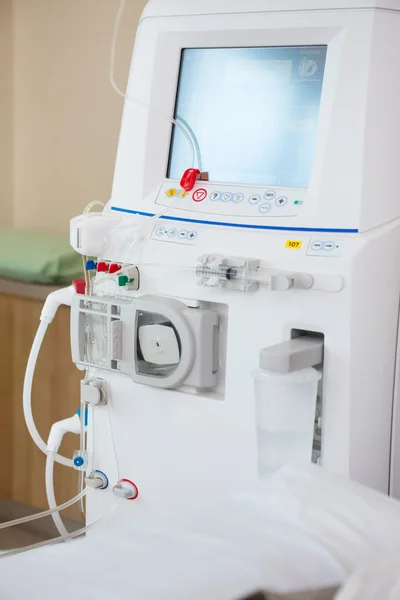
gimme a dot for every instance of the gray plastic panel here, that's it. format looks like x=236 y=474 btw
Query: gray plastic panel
x=293 y=355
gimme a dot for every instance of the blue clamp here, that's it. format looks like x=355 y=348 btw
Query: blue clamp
x=91 y=265
x=78 y=461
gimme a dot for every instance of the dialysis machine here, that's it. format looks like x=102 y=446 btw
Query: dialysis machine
x=246 y=314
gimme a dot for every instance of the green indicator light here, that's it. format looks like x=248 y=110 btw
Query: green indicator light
x=296 y=201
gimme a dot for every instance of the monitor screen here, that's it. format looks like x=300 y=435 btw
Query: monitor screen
x=252 y=111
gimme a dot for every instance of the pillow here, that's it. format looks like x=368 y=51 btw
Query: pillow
x=34 y=257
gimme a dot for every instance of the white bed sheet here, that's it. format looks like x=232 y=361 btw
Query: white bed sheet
x=303 y=528
x=376 y=580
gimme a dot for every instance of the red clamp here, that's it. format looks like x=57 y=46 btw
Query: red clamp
x=114 y=268
x=102 y=267
x=189 y=179
x=80 y=286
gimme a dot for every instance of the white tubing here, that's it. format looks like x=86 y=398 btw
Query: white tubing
x=51 y=498
x=70 y=536
x=44 y=513
x=186 y=132
x=27 y=396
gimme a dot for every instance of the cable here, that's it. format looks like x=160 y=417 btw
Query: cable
x=62 y=538
x=86 y=275
x=113 y=440
x=91 y=205
x=190 y=138
x=44 y=513
x=88 y=284
x=27 y=396
x=135 y=241
x=82 y=447
x=51 y=498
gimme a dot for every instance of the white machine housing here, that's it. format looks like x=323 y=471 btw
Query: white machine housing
x=179 y=444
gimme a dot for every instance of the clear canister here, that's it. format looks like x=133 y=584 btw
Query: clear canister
x=285 y=409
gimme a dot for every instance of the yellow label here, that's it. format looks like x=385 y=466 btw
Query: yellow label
x=171 y=192
x=294 y=244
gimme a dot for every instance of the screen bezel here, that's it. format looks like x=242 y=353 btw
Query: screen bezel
x=178 y=87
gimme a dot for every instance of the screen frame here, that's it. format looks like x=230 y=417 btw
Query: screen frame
x=178 y=88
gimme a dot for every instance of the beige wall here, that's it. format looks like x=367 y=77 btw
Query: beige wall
x=66 y=115
x=6 y=113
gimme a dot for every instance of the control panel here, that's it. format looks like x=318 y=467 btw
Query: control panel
x=318 y=247
x=231 y=200
x=323 y=247
x=176 y=235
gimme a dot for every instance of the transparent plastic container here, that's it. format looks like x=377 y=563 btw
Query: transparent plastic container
x=285 y=409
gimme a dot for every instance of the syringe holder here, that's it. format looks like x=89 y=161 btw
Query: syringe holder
x=299 y=353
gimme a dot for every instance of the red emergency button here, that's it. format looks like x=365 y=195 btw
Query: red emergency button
x=199 y=195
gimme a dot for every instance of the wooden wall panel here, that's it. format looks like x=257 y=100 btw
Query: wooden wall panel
x=6 y=397
x=55 y=396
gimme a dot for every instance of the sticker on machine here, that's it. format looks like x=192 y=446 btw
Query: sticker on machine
x=294 y=244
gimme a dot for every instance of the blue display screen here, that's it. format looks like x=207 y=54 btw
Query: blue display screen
x=253 y=113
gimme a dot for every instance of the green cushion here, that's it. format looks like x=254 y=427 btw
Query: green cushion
x=34 y=257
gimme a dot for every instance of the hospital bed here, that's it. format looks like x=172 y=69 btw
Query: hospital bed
x=302 y=529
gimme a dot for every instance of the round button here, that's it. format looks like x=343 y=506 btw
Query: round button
x=269 y=195
x=264 y=208
x=199 y=195
x=329 y=246
x=192 y=235
x=281 y=201
x=171 y=232
x=160 y=231
x=255 y=199
x=226 y=197
x=215 y=196
x=238 y=198
x=316 y=245
x=182 y=234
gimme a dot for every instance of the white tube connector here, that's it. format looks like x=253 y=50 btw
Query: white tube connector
x=125 y=488
x=97 y=480
x=54 y=301
x=59 y=429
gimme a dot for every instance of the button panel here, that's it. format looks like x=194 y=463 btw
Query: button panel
x=175 y=235
x=231 y=200
x=324 y=247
